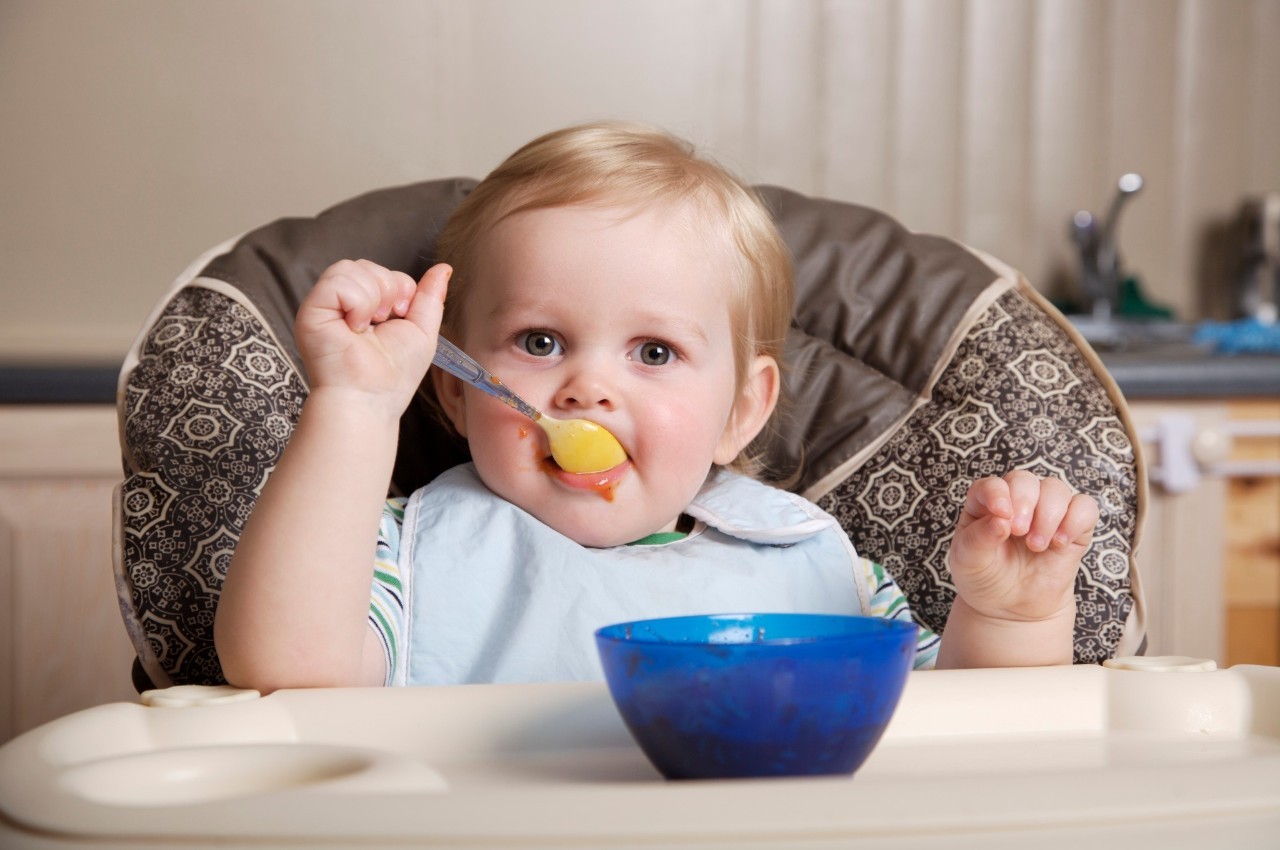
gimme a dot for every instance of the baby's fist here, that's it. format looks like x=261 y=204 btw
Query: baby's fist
x=1018 y=545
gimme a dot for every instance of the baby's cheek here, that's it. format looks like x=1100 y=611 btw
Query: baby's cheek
x=681 y=431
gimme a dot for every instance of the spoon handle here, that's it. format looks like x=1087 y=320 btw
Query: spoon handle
x=454 y=361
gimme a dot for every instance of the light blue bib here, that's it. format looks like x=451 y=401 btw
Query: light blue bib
x=494 y=595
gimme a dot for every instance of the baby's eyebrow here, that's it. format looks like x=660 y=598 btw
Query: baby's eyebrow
x=661 y=323
x=672 y=324
x=516 y=307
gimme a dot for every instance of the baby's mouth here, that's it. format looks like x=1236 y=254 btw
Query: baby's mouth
x=604 y=483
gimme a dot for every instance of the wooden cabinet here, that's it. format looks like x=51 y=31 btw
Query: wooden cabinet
x=1252 y=590
x=1210 y=555
x=63 y=646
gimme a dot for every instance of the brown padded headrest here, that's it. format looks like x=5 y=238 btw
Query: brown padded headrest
x=877 y=306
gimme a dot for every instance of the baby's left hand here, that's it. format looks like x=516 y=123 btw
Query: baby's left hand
x=1018 y=546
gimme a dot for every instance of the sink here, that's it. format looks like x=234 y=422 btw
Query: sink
x=1164 y=359
x=1137 y=335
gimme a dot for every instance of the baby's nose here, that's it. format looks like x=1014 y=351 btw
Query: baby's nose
x=583 y=390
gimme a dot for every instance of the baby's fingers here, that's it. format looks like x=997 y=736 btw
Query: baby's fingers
x=987 y=497
x=395 y=290
x=1061 y=517
x=1078 y=523
x=1025 y=491
x=363 y=292
x=426 y=304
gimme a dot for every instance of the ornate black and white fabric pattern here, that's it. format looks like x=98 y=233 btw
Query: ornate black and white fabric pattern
x=207 y=412
x=1018 y=394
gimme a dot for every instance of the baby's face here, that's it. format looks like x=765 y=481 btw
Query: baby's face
x=613 y=315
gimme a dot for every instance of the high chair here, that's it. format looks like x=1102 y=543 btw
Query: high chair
x=915 y=365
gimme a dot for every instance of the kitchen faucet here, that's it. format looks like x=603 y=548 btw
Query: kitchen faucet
x=1099 y=258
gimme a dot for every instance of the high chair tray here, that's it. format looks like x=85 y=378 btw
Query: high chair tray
x=1045 y=757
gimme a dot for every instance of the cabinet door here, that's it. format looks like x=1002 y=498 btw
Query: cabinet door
x=1210 y=553
x=1180 y=558
x=1253 y=534
x=63 y=646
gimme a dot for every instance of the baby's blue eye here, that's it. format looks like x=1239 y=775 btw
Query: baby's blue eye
x=653 y=353
x=540 y=344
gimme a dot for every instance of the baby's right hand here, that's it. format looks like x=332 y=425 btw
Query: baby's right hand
x=369 y=329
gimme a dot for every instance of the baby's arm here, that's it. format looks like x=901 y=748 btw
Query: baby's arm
x=1014 y=560
x=294 y=607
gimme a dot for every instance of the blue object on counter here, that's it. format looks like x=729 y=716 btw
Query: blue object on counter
x=738 y=695
x=1246 y=336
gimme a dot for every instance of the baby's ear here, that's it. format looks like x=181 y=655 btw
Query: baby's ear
x=449 y=396
x=754 y=406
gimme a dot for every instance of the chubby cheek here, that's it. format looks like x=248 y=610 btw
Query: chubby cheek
x=499 y=435
x=679 y=433
x=528 y=445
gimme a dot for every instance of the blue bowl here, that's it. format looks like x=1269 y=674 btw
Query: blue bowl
x=734 y=695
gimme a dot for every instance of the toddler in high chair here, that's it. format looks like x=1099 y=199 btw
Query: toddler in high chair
x=607 y=273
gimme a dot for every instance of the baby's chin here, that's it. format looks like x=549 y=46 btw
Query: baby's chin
x=598 y=536
x=597 y=524
x=591 y=516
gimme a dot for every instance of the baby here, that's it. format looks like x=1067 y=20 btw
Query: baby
x=606 y=273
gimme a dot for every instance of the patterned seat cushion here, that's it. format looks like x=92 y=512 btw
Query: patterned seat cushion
x=208 y=410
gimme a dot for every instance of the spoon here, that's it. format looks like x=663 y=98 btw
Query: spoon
x=576 y=444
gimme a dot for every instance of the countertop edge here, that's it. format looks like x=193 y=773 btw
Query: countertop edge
x=59 y=384
x=1240 y=376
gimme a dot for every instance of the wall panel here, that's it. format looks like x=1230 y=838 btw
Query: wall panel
x=991 y=121
x=782 y=98
x=1141 y=133
x=1069 y=118
x=1212 y=147
x=927 y=115
x=997 y=146
x=1264 y=101
x=856 y=90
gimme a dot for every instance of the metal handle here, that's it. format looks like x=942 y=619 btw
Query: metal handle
x=456 y=362
x=1187 y=454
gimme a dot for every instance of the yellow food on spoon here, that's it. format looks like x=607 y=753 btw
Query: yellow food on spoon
x=581 y=446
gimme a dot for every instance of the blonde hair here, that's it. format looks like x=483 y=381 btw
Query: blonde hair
x=624 y=163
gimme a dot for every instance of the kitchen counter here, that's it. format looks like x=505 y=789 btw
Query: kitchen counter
x=1185 y=371
x=30 y=383
x=1170 y=371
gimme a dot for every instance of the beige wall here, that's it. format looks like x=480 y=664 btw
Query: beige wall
x=137 y=133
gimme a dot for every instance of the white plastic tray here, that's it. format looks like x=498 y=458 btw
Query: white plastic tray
x=1045 y=757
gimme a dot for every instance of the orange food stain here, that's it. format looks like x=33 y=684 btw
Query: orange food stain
x=604 y=487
